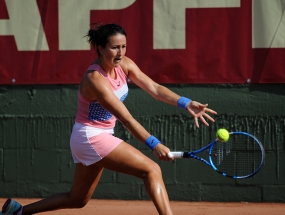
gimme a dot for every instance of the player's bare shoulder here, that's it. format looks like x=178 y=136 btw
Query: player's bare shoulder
x=90 y=77
x=128 y=65
x=90 y=84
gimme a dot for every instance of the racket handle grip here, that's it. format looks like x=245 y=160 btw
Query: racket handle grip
x=175 y=154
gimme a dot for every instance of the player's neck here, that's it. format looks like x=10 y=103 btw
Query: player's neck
x=108 y=69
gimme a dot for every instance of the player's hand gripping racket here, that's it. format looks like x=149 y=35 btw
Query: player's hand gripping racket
x=241 y=156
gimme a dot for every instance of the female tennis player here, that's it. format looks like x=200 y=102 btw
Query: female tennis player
x=101 y=93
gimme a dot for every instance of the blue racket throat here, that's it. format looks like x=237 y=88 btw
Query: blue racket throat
x=192 y=155
x=242 y=156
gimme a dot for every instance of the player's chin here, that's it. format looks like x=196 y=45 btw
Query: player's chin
x=116 y=64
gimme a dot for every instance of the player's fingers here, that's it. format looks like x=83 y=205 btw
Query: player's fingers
x=196 y=122
x=209 y=117
x=170 y=156
x=163 y=156
x=203 y=120
x=160 y=157
x=210 y=111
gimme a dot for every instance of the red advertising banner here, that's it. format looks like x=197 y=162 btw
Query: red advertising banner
x=183 y=41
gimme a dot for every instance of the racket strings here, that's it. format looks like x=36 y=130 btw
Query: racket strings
x=228 y=147
x=240 y=156
x=219 y=152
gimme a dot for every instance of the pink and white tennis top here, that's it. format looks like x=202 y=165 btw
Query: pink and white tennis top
x=91 y=113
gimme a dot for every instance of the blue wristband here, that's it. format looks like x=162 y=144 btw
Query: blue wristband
x=183 y=102
x=151 y=142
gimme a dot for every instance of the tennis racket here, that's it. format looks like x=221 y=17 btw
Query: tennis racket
x=242 y=156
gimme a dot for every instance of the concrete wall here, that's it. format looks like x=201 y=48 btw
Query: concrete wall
x=36 y=121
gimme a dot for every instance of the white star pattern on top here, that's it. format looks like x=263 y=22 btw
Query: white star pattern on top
x=97 y=112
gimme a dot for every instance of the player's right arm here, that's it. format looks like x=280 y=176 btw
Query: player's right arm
x=96 y=87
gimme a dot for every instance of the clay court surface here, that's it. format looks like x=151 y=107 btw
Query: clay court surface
x=118 y=207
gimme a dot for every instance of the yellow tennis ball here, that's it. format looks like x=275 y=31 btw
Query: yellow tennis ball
x=222 y=135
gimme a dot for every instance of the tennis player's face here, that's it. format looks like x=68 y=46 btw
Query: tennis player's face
x=115 y=50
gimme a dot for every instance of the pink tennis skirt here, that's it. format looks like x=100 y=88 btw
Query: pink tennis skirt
x=89 y=144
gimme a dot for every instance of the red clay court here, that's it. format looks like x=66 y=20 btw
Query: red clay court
x=119 y=207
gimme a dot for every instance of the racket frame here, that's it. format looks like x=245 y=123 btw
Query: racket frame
x=180 y=154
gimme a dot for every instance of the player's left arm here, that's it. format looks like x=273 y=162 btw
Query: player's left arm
x=156 y=90
x=159 y=92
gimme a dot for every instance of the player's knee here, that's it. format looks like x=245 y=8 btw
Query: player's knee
x=155 y=170
x=77 y=202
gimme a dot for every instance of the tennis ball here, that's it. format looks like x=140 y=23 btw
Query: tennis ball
x=222 y=135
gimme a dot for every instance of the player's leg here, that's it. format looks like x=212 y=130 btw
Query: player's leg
x=126 y=159
x=85 y=181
